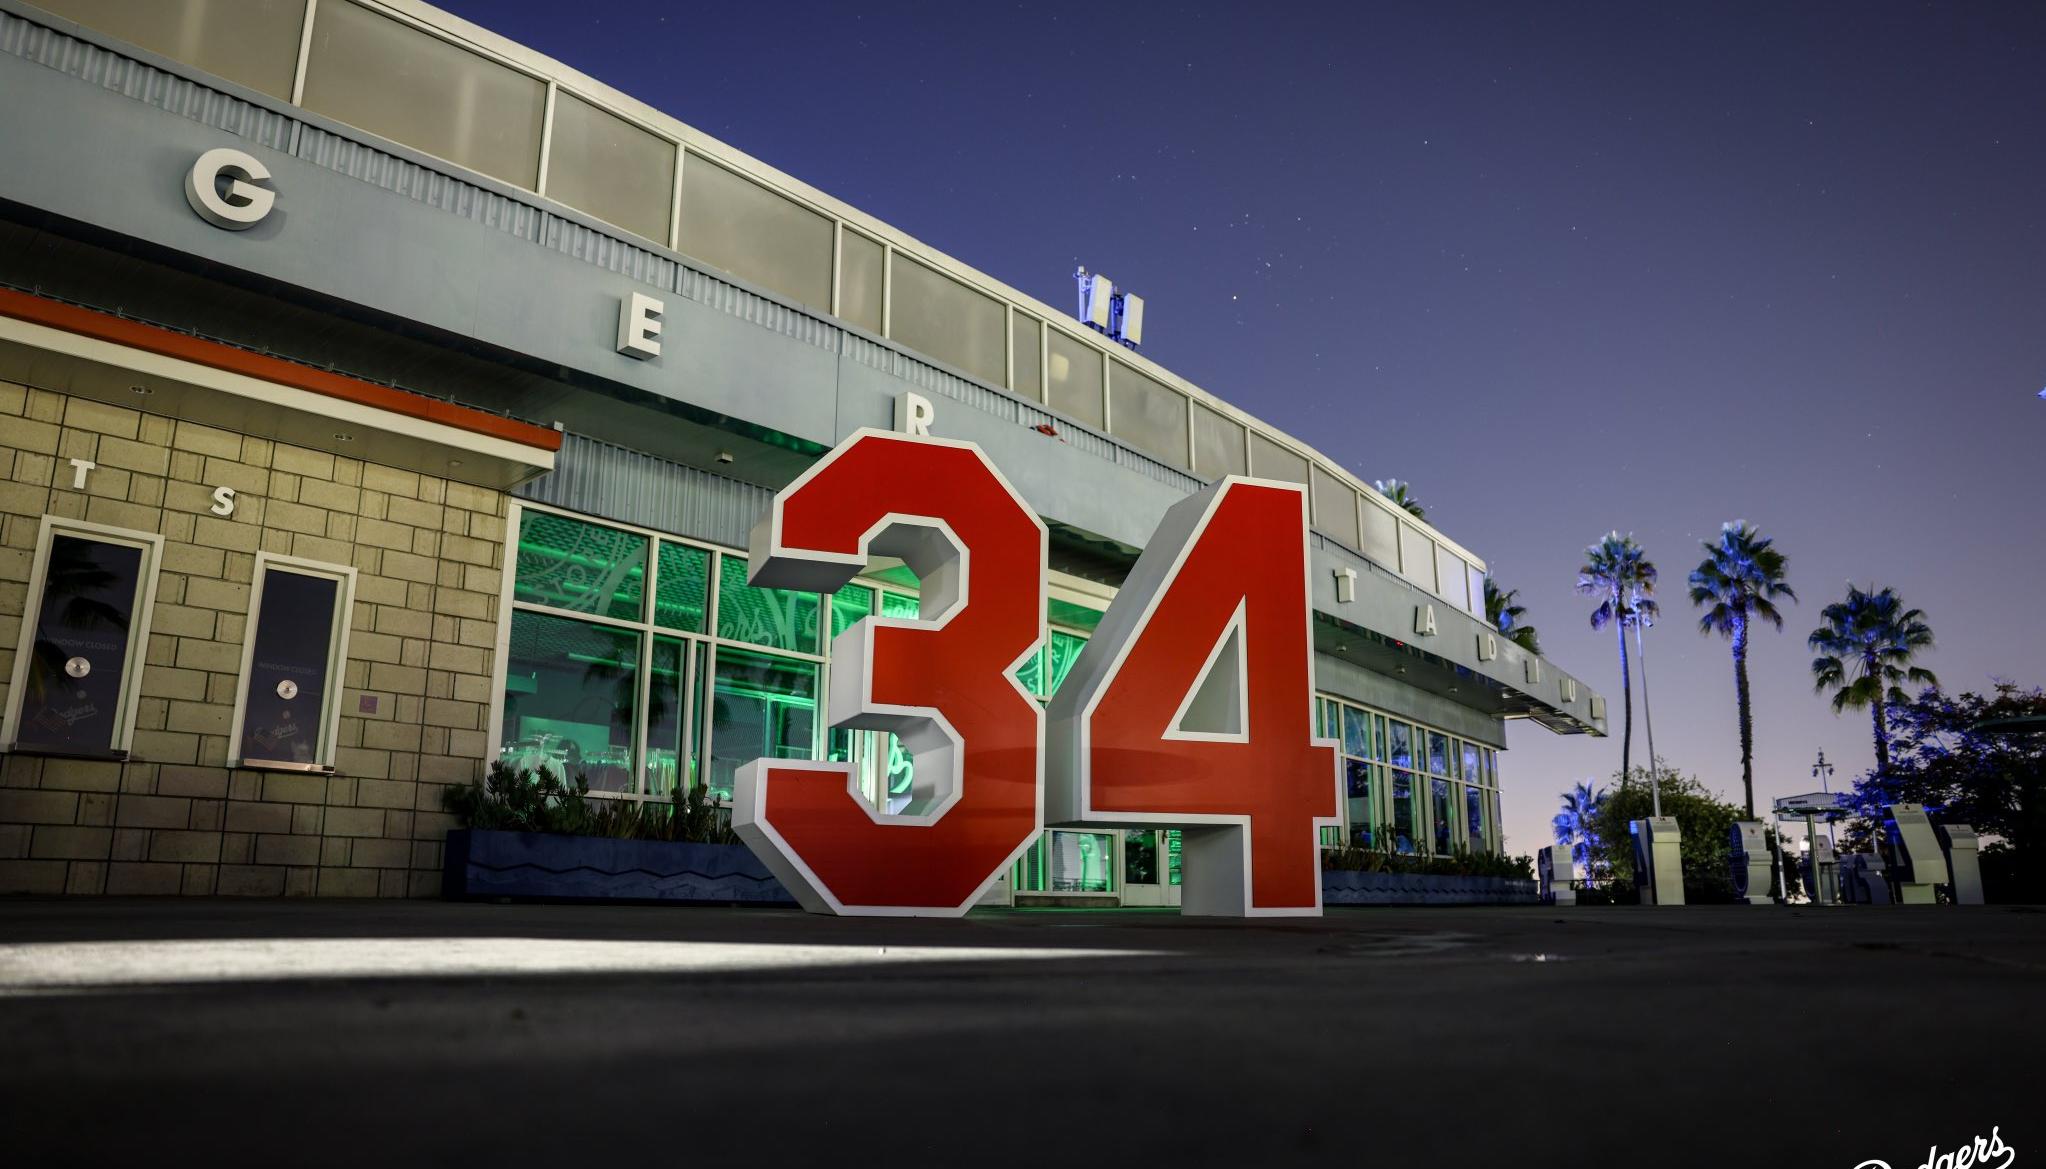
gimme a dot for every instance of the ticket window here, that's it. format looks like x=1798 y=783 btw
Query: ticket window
x=78 y=663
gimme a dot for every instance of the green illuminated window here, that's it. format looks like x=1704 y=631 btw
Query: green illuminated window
x=899 y=604
x=848 y=605
x=1442 y=811
x=682 y=590
x=1065 y=650
x=762 y=707
x=1031 y=673
x=776 y=618
x=570 y=698
x=570 y=564
x=673 y=755
x=1357 y=791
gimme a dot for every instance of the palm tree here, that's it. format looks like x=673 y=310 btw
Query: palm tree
x=1504 y=615
x=1741 y=578
x=1577 y=824
x=1623 y=578
x=1402 y=496
x=1865 y=649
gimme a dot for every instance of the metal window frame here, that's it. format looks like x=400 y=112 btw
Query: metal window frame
x=134 y=657
x=340 y=624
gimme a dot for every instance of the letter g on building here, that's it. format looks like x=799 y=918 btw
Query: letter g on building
x=243 y=204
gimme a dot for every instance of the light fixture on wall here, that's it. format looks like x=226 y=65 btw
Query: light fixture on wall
x=725 y=457
x=340 y=437
x=145 y=391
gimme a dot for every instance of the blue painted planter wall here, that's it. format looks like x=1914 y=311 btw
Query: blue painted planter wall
x=1340 y=887
x=481 y=863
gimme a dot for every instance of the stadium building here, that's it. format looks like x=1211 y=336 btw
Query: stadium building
x=379 y=398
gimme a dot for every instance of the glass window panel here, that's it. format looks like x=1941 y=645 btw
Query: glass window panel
x=1269 y=460
x=1474 y=810
x=1443 y=813
x=250 y=42
x=899 y=604
x=683 y=591
x=1031 y=673
x=762 y=707
x=1476 y=584
x=1080 y=862
x=1218 y=444
x=1357 y=791
x=1073 y=384
x=1417 y=557
x=1450 y=575
x=1328 y=718
x=1356 y=733
x=1172 y=851
x=776 y=618
x=1402 y=747
x=1470 y=770
x=860 y=262
x=1065 y=650
x=1140 y=857
x=848 y=605
x=1335 y=508
x=1438 y=753
x=932 y=313
x=1147 y=414
x=1028 y=360
x=567 y=563
x=1378 y=737
x=389 y=78
x=756 y=234
x=74 y=690
x=1381 y=534
x=1402 y=812
x=601 y=163
x=291 y=669
x=669 y=742
x=571 y=698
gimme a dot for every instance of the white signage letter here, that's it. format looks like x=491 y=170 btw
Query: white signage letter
x=245 y=204
x=78 y=469
x=639 y=329
x=914 y=414
x=223 y=501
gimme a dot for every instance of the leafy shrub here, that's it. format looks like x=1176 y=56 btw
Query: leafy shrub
x=1457 y=864
x=528 y=800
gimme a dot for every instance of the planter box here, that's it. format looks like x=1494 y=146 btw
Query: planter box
x=1339 y=887
x=481 y=863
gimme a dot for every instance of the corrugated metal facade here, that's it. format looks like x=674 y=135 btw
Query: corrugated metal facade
x=609 y=481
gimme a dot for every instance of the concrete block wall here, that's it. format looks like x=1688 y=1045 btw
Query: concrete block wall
x=174 y=818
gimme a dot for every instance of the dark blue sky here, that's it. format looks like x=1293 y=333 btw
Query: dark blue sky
x=1646 y=267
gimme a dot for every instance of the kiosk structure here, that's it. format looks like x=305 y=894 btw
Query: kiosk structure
x=1920 y=864
x=1553 y=868
x=1749 y=858
x=1658 y=860
x=1812 y=807
x=1963 y=869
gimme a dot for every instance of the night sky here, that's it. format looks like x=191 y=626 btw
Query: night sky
x=1646 y=267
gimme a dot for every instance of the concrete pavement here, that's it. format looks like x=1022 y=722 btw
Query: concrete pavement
x=422 y=1033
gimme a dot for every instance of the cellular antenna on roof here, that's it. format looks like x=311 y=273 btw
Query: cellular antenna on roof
x=1108 y=310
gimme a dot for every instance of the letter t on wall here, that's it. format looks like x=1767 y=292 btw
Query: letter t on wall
x=639 y=326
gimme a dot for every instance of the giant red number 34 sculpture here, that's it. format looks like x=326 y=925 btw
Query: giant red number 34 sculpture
x=1192 y=707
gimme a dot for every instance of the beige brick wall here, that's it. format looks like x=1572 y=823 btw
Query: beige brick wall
x=175 y=818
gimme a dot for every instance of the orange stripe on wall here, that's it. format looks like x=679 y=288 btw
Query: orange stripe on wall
x=163 y=342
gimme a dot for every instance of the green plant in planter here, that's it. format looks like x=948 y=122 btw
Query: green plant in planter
x=522 y=800
x=528 y=800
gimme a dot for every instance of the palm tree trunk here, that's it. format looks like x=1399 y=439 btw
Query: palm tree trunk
x=1882 y=736
x=1747 y=716
x=1627 y=692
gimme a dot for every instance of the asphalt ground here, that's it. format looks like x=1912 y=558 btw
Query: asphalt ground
x=198 y=1032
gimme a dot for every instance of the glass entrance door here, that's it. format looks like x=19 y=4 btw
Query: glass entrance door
x=1150 y=867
